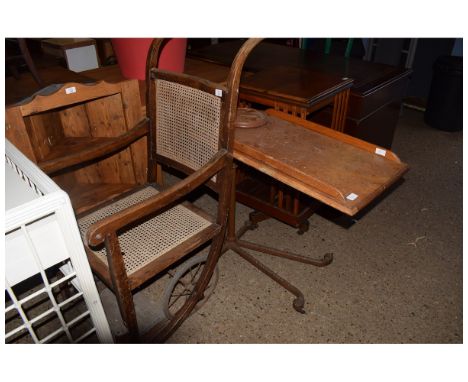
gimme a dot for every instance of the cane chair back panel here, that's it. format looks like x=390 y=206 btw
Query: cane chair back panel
x=151 y=239
x=187 y=123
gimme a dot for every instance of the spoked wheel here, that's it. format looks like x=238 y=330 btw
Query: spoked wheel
x=182 y=285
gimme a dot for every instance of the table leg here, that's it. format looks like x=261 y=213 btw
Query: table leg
x=240 y=246
x=340 y=107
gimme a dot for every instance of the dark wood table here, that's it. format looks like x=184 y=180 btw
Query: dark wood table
x=292 y=90
x=375 y=95
x=299 y=92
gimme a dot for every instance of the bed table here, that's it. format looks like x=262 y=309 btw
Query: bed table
x=341 y=171
x=298 y=91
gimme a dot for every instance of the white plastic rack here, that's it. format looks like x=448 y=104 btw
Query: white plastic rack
x=51 y=296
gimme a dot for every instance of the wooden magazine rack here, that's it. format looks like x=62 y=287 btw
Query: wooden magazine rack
x=77 y=133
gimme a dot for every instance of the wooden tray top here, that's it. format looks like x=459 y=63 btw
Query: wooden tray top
x=337 y=169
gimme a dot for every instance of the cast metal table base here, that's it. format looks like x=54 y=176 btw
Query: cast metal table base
x=240 y=247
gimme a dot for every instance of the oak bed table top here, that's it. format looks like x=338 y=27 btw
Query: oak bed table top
x=339 y=170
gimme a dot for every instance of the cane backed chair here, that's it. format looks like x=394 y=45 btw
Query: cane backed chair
x=143 y=232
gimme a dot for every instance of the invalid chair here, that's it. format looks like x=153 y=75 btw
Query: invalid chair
x=142 y=233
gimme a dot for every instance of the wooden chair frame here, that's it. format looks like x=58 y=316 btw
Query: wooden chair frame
x=105 y=230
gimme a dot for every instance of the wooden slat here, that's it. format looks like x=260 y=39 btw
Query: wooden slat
x=107 y=119
x=75 y=121
x=81 y=93
x=133 y=114
x=188 y=80
x=45 y=131
x=75 y=124
x=16 y=132
x=339 y=110
x=71 y=145
x=296 y=202
x=75 y=151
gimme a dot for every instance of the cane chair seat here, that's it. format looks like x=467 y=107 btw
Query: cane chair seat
x=150 y=240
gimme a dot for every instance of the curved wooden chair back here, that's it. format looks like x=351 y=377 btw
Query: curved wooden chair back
x=191 y=118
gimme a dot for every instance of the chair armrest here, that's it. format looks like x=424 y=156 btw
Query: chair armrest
x=97 y=232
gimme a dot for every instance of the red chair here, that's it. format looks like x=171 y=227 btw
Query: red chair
x=131 y=55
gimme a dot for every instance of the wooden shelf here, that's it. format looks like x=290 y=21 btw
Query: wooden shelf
x=76 y=150
x=69 y=147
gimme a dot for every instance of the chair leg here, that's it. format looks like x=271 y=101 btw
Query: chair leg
x=120 y=283
x=159 y=175
x=29 y=61
x=163 y=330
